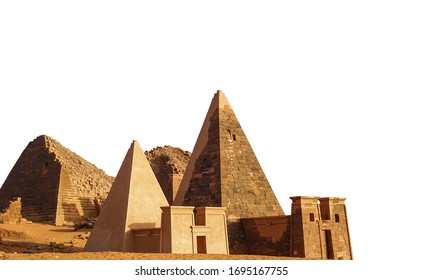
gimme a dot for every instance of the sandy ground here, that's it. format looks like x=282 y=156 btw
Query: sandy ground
x=33 y=241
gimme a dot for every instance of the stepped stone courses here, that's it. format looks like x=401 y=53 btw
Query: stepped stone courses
x=55 y=185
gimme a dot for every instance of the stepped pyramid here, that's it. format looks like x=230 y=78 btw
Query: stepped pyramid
x=133 y=203
x=55 y=185
x=224 y=172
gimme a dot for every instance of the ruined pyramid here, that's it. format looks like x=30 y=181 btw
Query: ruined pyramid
x=55 y=185
x=169 y=165
x=133 y=203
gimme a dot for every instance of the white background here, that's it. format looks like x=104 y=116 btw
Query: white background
x=327 y=92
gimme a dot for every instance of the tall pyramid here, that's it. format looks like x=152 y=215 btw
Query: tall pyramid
x=55 y=185
x=224 y=172
x=134 y=202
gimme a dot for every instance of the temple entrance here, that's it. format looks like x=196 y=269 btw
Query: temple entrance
x=201 y=244
x=329 y=244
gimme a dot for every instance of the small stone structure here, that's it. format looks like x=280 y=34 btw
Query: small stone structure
x=12 y=214
x=319 y=228
x=184 y=233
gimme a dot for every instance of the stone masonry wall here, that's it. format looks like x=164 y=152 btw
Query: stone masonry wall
x=334 y=220
x=246 y=192
x=228 y=174
x=169 y=165
x=268 y=235
x=34 y=178
x=305 y=229
x=71 y=207
x=319 y=228
x=205 y=186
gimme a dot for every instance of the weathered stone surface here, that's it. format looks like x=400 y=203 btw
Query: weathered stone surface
x=12 y=214
x=268 y=235
x=169 y=165
x=55 y=184
x=224 y=172
x=319 y=228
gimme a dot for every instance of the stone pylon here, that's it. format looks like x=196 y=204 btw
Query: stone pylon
x=224 y=172
x=134 y=202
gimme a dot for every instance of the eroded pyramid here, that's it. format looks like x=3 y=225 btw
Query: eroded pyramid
x=134 y=202
x=55 y=184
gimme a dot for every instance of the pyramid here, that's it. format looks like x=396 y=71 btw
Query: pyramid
x=55 y=185
x=134 y=202
x=169 y=165
x=223 y=170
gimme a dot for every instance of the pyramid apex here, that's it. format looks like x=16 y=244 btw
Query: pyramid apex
x=43 y=137
x=219 y=101
x=220 y=95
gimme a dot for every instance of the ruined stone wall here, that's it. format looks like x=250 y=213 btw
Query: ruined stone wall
x=268 y=235
x=12 y=214
x=169 y=165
